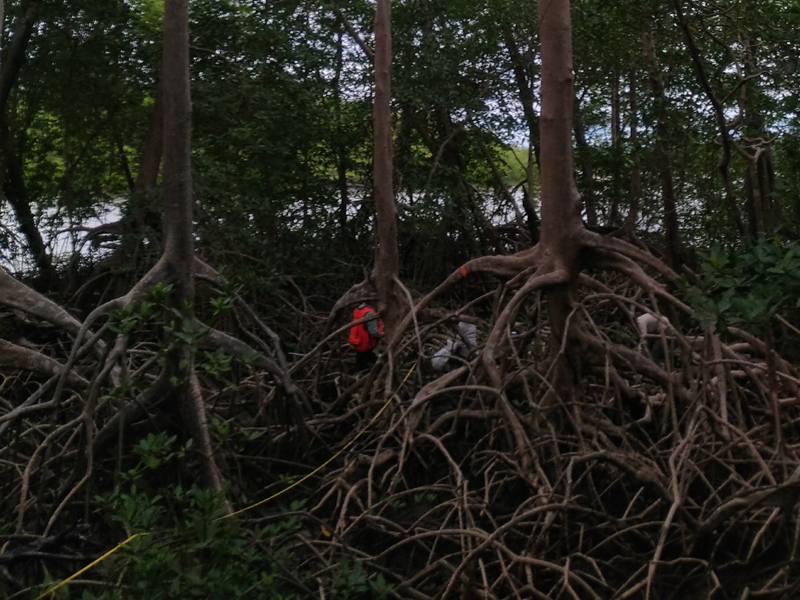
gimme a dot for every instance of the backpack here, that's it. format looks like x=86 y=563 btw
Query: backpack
x=359 y=337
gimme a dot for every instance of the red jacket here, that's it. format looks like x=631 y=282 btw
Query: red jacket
x=360 y=338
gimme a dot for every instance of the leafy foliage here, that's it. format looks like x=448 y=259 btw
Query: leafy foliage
x=748 y=286
x=282 y=167
x=195 y=555
x=187 y=548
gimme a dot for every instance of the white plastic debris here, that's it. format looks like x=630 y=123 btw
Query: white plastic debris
x=457 y=346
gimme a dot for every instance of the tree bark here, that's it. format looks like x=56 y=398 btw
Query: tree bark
x=672 y=240
x=17 y=195
x=341 y=150
x=719 y=113
x=587 y=171
x=177 y=223
x=561 y=216
x=636 y=180
x=500 y=186
x=759 y=176
x=178 y=256
x=562 y=226
x=12 y=179
x=2 y=22
x=523 y=75
x=150 y=159
x=616 y=152
x=14 y=55
x=386 y=269
x=125 y=166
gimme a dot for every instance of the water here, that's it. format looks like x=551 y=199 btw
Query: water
x=62 y=234
x=65 y=234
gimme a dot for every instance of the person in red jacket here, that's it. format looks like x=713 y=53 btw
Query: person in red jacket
x=365 y=336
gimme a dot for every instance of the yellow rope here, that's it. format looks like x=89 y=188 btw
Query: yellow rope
x=332 y=458
x=90 y=565
x=238 y=512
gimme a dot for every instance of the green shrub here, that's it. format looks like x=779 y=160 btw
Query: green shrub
x=186 y=548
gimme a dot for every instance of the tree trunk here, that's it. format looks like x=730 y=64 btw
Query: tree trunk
x=14 y=55
x=759 y=176
x=178 y=256
x=12 y=180
x=534 y=225
x=672 y=241
x=125 y=166
x=387 y=260
x=719 y=112
x=150 y=159
x=616 y=153
x=636 y=179
x=178 y=244
x=341 y=150
x=561 y=216
x=561 y=206
x=587 y=171
x=447 y=152
x=523 y=76
x=17 y=195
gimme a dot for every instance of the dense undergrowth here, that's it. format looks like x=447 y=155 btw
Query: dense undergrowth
x=646 y=474
x=667 y=478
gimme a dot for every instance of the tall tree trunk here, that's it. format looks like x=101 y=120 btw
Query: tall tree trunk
x=561 y=217
x=341 y=150
x=178 y=255
x=14 y=55
x=2 y=20
x=150 y=159
x=499 y=184
x=561 y=206
x=759 y=180
x=386 y=271
x=587 y=170
x=616 y=153
x=125 y=166
x=534 y=224
x=12 y=180
x=759 y=176
x=616 y=127
x=523 y=76
x=178 y=244
x=17 y=195
x=672 y=241
x=636 y=178
x=719 y=112
x=447 y=152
